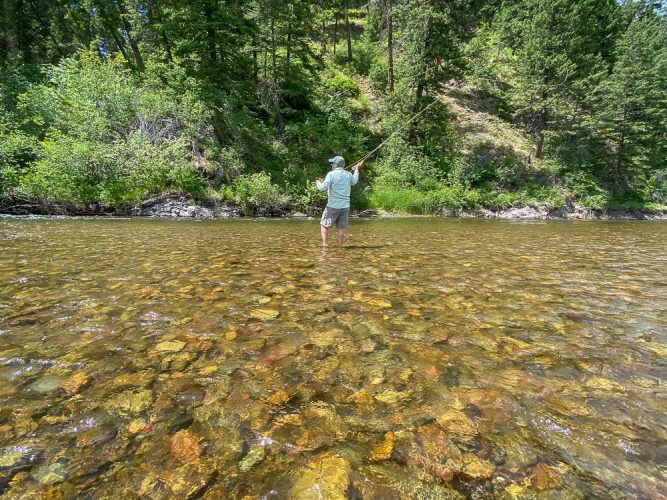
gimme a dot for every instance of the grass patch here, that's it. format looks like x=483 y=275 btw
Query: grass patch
x=414 y=201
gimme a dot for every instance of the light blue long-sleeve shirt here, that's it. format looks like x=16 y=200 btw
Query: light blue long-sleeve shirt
x=339 y=182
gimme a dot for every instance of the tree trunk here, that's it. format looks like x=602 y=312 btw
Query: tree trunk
x=273 y=48
x=289 y=45
x=335 y=41
x=4 y=44
x=420 y=91
x=255 y=64
x=324 y=37
x=22 y=30
x=618 y=163
x=542 y=125
x=412 y=138
x=349 y=36
x=121 y=47
x=210 y=34
x=390 y=48
x=542 y=122
x=163 y=34
x=45 y=27
x=134 y=45
x=540 y=144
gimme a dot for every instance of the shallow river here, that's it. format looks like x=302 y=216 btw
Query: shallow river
x=429 y=359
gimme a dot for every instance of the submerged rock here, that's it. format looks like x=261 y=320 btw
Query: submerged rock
x=379 y=303
x=254 y=456
x=324 y=476
x=137 y=425
x=185 y=446
x=383 y=450
x=264 y=314
x=189 y=480
x=50 y=474
x=319 y=425
x=390 y=397
x=546 y=478
x=278 y=398
x=177 y=362
x=13 y=456
x=477 y=468
x=362 y=399
x=435 y=443
x=130 y=402
x=170 y=346
x=517 y=492
x=75 y=383
x=459 y=424
x=47 y=384
x=603 y=384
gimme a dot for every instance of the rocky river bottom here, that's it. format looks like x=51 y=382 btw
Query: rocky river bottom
x=429 y=359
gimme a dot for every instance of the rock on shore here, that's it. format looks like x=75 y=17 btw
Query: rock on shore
x=544 y=212
x=181 y=206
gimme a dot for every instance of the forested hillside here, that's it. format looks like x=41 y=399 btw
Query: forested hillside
x=105 y=103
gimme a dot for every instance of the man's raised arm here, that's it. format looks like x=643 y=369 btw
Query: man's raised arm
x=323 y=186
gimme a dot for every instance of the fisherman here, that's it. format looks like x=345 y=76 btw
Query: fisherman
x=338 y=182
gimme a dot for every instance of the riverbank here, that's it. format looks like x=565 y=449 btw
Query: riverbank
x=181 y=206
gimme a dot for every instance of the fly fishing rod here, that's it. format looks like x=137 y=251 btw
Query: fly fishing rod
x=396 y=132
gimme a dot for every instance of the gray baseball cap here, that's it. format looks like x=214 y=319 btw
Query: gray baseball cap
x=337 y=161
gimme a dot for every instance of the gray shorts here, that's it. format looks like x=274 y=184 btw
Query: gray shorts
x=339 y=216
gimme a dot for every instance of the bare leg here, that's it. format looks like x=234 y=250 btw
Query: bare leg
x=341 y=237
x=325 y=235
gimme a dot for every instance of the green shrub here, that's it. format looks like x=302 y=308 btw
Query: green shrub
x=17 y=152
x=306 y=199
x=255 y=194
x=79 y=171
x=377 y=72
x=414 y=201
x=342 y=85
x=365 y=54
x=657 y=187
x=405 y=166
x=488 y=164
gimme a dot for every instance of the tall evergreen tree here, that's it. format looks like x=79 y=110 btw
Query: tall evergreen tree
x=558 y=46
x=634 y=101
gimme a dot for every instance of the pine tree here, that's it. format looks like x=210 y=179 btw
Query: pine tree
x=558 y=51
x=633 y=102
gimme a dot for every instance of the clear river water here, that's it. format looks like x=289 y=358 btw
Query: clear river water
x=430 y=358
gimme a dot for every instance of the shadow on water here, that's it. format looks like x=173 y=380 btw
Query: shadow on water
x=364 y=247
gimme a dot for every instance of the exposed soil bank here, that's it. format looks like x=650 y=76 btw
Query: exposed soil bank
x=180 y=206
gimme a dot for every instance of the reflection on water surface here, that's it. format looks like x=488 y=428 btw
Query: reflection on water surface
x=429 y=359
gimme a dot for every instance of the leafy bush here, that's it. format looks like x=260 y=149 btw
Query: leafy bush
x=113 y=138
x=79 y=171
x=365 y=55
x=17 y=152
x=489 y=164
x=405 y=166
x=306 y=199
x=341 y=85
x=378 y=72
x=255 y=194
x=657 y=187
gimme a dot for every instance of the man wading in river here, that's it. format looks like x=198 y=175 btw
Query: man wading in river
x=339 y=182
